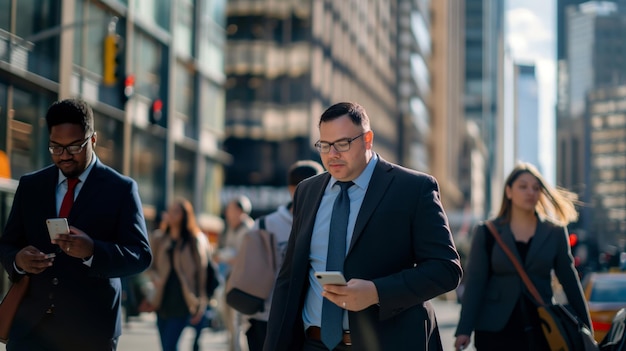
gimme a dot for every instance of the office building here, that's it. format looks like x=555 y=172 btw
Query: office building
x=449 y=150
x=606 y=188
x=593 y=65
x=484 y=58
x=527 y=135
x=151 y=70
x=286 y=62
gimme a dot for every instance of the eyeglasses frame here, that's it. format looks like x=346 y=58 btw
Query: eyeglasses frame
x=318 y=144
x=65 y=147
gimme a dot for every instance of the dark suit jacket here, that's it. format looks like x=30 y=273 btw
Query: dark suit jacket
x=493 y=286
x=86 y=299
x=401 y=241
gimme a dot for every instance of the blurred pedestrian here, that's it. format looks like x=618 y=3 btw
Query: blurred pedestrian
x=74 y=299
x=532 y=222
x=213 y=281
x=238 y=223
x=178 y=273
x=279 y=223
x=380 y=224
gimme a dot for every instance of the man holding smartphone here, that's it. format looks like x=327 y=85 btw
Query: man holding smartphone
x=74 y=299
x=395 y=250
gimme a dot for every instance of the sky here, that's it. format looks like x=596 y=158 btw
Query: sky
x=531 y=38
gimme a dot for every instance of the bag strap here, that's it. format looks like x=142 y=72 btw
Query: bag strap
x=270 y=246
x=529 y=284
x=262 y=223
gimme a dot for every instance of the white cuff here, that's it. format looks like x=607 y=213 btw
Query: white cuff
x=87 y=261
x=17 y=269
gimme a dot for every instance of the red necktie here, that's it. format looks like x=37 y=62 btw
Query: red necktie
x=68 y=200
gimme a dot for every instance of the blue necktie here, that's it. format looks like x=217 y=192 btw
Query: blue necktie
x=332 y=315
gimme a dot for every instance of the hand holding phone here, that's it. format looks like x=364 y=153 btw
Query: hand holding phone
x=57 y=226
x=330 y=277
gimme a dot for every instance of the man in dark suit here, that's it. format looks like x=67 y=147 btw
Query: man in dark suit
x=74 y=299
x=399 y=251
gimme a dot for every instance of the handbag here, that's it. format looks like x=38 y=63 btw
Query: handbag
x=9 y=306
x=252 y=277
x=615 y=339
x=563 y=330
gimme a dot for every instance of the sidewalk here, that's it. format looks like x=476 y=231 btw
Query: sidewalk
x=140 y=333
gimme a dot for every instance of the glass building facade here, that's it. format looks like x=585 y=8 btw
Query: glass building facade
x=171 y=52
x=287 y=61
x=606 y=133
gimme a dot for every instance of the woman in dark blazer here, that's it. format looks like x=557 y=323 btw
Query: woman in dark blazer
x=496 y=304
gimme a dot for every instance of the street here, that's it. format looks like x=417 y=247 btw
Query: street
x=140 y=333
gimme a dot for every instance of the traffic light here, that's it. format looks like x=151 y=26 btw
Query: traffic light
x=156 y=111
x=573 y=240
x=112 y=60
x=129 y=87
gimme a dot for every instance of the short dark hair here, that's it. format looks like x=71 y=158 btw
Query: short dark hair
x=75 y=111
x=302 y=170
x=355 y=111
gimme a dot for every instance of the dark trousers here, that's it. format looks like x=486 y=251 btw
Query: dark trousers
x=46 y=337
x=170 y=329
x=522 y=332
x=256 y=334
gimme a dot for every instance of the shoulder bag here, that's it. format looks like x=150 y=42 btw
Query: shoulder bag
x=9 y=306
x=252 y=277
x=563 y=330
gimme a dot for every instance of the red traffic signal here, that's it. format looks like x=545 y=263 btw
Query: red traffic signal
x=573 y=239
x=156 y=111
x=129 y=86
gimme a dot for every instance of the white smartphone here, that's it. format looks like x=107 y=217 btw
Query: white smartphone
x=57 y=226
x=330 y=277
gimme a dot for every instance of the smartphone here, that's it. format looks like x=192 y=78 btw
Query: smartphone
x=57 y=226
x=51 y=255
x=330 y=277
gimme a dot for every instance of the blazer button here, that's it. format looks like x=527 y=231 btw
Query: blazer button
x=55 y=281
x=51 y=296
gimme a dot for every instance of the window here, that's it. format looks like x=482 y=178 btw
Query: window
x=110 y=141
x=148 y=167
x=148 y=56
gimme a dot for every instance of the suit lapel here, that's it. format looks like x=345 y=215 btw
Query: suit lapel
x=88 y=191
x=509 y=240
x=314 y=198
x=380 y=181
x=538 y=239
x=51 y=182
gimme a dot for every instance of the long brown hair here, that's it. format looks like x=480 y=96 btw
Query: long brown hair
x=555 y=203
x=189 y=227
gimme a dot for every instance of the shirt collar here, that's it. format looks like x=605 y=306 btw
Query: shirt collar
x=363 y=180
x=83 y=176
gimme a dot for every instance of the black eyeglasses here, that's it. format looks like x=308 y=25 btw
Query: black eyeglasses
x=71 y=149
x=342 y=145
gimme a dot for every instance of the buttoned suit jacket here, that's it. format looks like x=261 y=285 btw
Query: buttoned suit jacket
x=493 y=286
x=86 y=301
x=401 y=242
